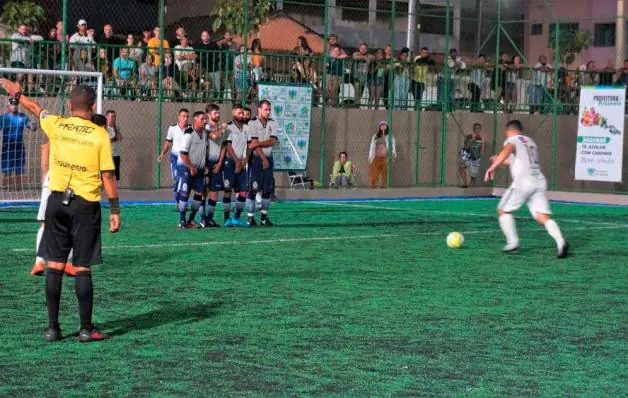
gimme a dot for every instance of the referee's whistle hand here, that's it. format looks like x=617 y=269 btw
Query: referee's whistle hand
x=114 y=223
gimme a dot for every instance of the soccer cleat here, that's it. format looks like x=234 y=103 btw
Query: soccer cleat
x=209 y=224
x=38 y=268
x=563 y=251
x=51 y=335
x=85 y=336
x=69 y=270
x=251 y=223
x=241 y=223
x=229 y=223
x=511 y=247
x=266 y=223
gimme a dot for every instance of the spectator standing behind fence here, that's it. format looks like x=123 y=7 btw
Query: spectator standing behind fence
x=513 y=74
x=540 y=82
x=110 y=42
x=359 y=71
x=116 y=138
x=606 y=76
x=389 y=59
x=476 y=85
x=304 y=72
x=422 y=64
x=402 y=80
x=498 y=77
x=589 y=75
x=342 y=171
x=170 y=75
x=81 y=39
x=257 y=59
x=125 y=72
x=376 y=78
x=381 y=143
x=209 y=62
x=185 y=57
x=302 y=50
x=229 y=50
x=476 y=148
x=242 y=81
x=154 y=43
x=22 y=52
x=148 y=77
x=335 y=74
x=135 y=51
x=455 y=64
x=104 y=65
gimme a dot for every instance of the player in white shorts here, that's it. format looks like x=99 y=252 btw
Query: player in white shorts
x=40 y=264
x=528 y=187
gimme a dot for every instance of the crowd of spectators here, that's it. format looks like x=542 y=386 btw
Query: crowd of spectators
x=219 y=69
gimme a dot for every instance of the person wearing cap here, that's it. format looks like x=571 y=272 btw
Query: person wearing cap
x=12 y=125
x=381 y=143
x=81 y=39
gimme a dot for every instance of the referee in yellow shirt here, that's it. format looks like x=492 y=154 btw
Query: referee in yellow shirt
x=80 y=164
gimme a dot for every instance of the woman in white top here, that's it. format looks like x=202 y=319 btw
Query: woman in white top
x=381 y=143
x=512 y=77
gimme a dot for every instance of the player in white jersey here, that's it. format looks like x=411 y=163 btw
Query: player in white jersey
x=174 y=140
x=263 y=136
x=215 y=159
x=235 y=166
x=528 y=187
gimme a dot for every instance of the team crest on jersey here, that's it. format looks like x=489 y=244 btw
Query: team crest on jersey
x=523 y=139
x=254 y=184
x=227 y=184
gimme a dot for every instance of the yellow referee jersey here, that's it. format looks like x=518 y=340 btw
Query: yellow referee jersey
x=79 y=151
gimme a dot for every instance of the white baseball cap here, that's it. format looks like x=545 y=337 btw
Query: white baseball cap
x=82 y=22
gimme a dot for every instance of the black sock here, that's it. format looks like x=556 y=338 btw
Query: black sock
x=264 y=216
x=53 y=296
x=85 y=296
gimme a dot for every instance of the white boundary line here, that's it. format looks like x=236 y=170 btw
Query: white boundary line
x=453 y=213
x=313 y=239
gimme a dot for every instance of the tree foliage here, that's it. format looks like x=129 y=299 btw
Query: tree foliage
x=570 y=43
x=230 y=15
x=15 y=13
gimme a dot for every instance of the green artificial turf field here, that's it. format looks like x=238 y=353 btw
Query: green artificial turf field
x=360 y=298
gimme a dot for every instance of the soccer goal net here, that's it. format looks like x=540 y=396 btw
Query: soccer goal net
x=22 y=136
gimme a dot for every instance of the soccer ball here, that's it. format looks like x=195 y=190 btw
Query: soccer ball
x=455 y=240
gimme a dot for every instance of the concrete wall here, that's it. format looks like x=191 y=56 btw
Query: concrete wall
x=351 y=130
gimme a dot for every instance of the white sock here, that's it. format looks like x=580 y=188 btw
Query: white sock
x=507 y=224
x=70 y=256
x=554 y=231
x=40 y=234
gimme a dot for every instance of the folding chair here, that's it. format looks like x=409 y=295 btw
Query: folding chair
x=298 y=179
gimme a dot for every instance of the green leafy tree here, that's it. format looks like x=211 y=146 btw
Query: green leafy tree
x=570 y=43
x=15 y=13
x=230 y=15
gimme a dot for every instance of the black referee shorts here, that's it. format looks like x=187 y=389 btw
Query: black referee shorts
x=76 y=226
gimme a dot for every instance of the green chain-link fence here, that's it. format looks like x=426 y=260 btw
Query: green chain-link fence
x=465 y=64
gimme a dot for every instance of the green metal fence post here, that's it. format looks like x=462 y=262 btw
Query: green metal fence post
x=160 y=95
x=497 y=83
x=321 y=176
x=445 y=98
x=417 y=148
x=555 y=109
x=245 y=38
x=64 y=50
x=391 y=92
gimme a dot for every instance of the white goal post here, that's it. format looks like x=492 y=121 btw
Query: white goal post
x=21 y=138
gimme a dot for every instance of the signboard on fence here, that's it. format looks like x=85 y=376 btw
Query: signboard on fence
x=291 y=107
x=600 y=134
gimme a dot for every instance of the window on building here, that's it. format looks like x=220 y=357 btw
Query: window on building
x=353 y=10
x=604 y=35
x=566 y=30
x=536 y=29
x=384 y=10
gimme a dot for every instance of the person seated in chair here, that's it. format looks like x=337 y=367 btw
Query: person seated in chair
x=343 y=171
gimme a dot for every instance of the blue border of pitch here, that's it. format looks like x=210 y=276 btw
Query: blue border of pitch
x=31 y=203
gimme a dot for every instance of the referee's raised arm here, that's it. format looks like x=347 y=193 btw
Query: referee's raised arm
x=81 y=164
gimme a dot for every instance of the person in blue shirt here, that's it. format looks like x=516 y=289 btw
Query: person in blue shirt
x=125 y=72
x=12 y=125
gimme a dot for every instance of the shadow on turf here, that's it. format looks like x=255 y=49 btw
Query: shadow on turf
x=163 y=316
